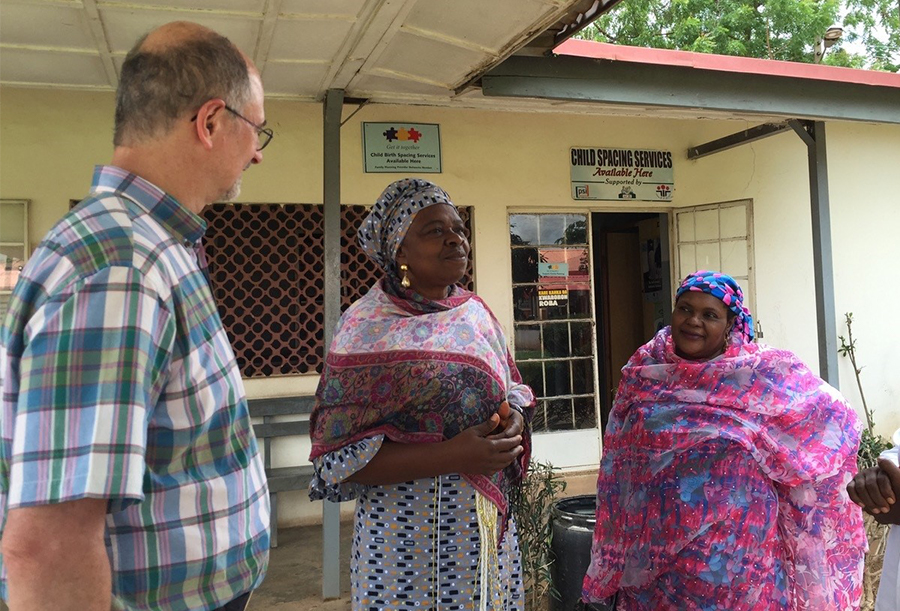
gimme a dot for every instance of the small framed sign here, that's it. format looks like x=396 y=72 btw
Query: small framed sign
x=402 y=147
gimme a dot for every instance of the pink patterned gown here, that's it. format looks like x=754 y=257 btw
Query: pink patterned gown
x=721 y=486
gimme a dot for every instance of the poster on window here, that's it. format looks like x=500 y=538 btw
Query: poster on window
x=559 y=270
x=402 y=147
x=622 y=175
x=548 y=298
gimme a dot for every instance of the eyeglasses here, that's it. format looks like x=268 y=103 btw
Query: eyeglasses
x=264 y=135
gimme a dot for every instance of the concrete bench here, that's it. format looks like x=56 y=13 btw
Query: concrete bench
x=282 y=479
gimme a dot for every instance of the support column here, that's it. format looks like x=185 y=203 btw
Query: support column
x=331 y=198
x=813 y=134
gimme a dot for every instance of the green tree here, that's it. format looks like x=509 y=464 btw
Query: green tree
x=771 y=29
x=876 y=24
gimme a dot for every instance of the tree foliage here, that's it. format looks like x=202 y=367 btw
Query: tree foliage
x=772 y=29
x=876 y=24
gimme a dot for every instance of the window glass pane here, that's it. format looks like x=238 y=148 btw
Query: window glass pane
x=707 y=225
x=581 y=339
x=528 y=342
x=525 y=303
x=579 y=301
x=556 y=340
x=557 y=378
x=585 y=413
x=579 y=264
x=533 y=376
x=524 y=265
x=10 y=268
x=576 y=229
x=539 y=422
x=552 y=229
x=559 y=415
x=582 y=377
x=523 y=229
x=12 y=222
x=12 y=252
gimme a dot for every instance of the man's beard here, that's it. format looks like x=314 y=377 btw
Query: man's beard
x=232 y=192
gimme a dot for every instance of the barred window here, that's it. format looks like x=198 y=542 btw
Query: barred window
x=267 y=274
x=554 y=317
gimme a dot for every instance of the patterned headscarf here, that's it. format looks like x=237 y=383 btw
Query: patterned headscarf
x=725 y=288
x=382 y=232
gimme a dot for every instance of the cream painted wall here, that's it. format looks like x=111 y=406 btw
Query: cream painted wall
x=499 y=162
x=863 y=162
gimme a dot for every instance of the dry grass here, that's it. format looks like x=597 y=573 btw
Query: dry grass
x=877 y=535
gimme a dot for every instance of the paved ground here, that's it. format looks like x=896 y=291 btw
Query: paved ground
x=294 y=580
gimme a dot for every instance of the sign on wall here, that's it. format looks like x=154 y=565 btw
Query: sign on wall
x=621 y=174
x=402 y=147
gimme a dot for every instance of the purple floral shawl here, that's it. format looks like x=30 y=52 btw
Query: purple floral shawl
x=418 y=371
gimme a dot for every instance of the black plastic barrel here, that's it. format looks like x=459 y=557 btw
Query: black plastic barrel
x=573 y=522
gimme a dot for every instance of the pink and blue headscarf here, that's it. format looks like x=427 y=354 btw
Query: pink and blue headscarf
x=727 y=290
x=382 y=232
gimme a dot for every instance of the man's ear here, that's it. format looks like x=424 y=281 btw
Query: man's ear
x=209 y=121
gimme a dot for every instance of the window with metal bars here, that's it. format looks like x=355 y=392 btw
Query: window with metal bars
x=267 y=274
x=553 y=317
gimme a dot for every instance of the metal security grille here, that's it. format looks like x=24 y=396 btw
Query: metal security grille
x=267 y=274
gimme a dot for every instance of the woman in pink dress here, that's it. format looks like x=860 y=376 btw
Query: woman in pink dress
x=721 y=486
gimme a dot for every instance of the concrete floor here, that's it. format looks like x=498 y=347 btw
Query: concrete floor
x=294 y=579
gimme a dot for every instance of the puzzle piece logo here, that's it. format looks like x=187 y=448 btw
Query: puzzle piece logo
x=403 y=134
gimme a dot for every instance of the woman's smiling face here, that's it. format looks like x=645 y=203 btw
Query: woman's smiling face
x=700 y=324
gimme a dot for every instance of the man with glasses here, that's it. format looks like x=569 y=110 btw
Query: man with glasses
x=129 y=473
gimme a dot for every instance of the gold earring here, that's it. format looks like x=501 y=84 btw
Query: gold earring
x=404 y=282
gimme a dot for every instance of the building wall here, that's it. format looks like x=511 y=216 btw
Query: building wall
x=497 y=162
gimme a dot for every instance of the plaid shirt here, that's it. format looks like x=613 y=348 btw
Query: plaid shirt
x=119 y=382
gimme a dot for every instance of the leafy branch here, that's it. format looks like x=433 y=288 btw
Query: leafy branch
x=848 y=349
x=531 y=502
x=870 y=444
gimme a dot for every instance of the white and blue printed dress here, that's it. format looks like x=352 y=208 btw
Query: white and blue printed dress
x=416 y=544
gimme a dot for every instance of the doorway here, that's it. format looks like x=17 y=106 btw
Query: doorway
x=632 y=290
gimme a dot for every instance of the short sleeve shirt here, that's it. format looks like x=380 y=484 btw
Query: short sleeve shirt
x=119 y=383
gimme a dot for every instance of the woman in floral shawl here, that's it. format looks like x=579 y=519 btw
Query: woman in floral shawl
x=722 y=480
x=421 y=415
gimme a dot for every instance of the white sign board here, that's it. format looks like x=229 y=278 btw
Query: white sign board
x=621 y=174
x=402 y=147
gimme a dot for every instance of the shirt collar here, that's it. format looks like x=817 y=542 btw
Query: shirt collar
x=183 y=224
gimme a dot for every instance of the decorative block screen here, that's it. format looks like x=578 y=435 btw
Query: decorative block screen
x=267 y=272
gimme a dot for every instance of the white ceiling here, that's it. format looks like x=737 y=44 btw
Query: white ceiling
x=428 y=52
x=380 y=49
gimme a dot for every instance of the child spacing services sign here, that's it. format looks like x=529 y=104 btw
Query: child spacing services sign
x=621 y=174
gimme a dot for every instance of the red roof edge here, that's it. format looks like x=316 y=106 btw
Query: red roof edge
x=725 y=63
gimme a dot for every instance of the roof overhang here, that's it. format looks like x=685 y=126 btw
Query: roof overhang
x=766 y=91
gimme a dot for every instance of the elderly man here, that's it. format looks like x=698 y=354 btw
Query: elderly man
x=129 y=473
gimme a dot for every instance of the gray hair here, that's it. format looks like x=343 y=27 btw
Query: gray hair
x=158 y=87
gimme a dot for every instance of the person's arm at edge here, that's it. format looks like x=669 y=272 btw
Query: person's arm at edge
x=55 y=557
